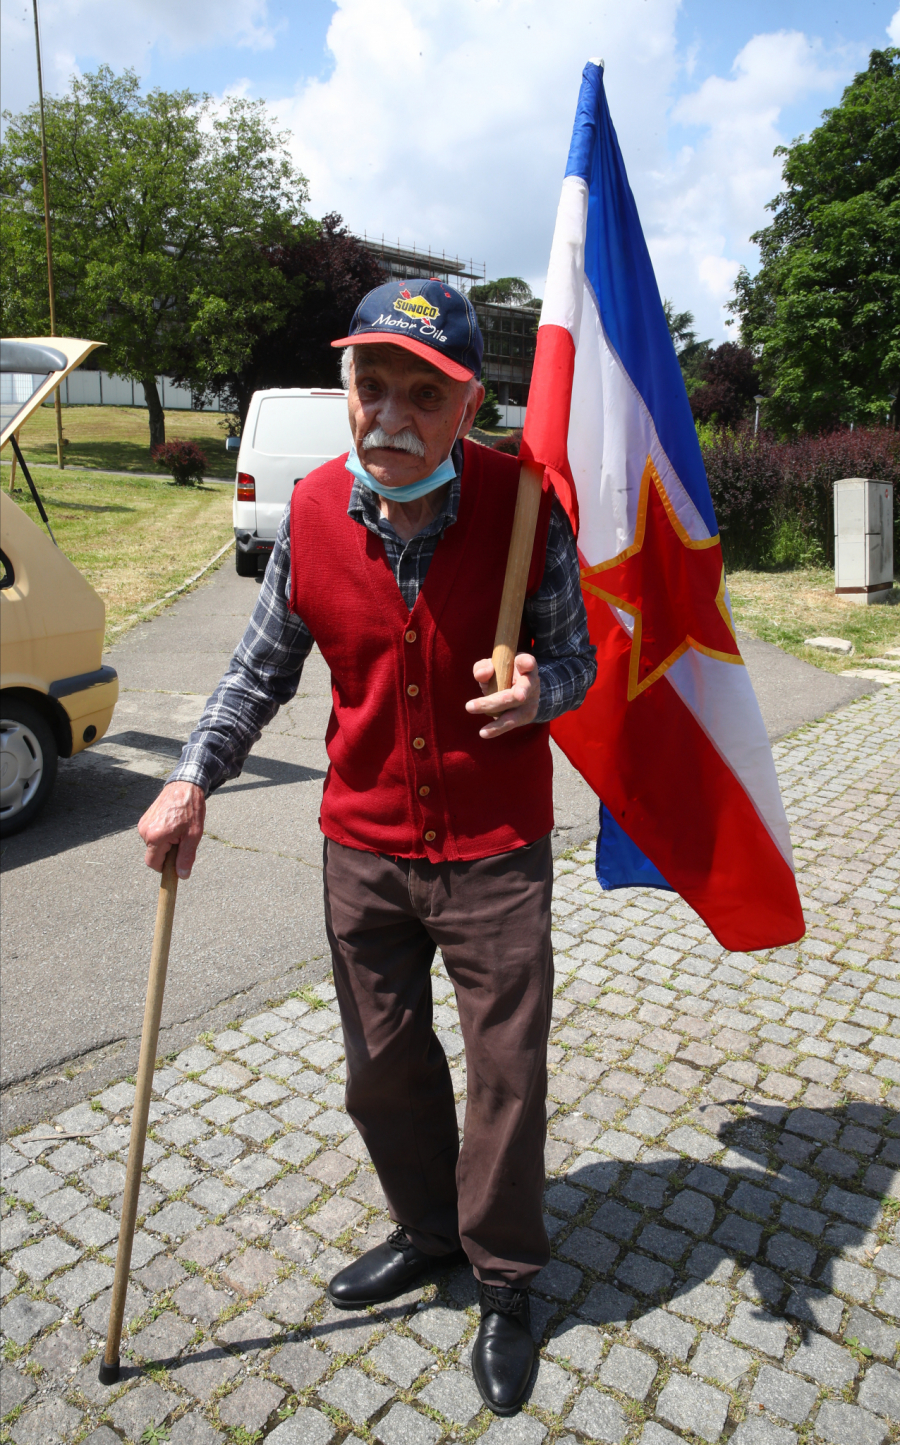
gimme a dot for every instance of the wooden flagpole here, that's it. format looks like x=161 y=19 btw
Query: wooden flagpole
x=518 y=565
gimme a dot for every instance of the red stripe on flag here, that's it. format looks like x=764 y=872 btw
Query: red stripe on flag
x=546 y=433
x=675 y=796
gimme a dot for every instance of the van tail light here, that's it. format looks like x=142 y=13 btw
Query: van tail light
x=246 y=487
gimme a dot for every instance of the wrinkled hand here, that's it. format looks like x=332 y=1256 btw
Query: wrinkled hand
x=177 y=816
x=516 y=706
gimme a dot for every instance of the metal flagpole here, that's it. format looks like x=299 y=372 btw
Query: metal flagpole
x=53 y=332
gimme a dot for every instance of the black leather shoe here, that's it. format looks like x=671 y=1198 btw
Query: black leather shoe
x=383 y=1273
x=503 y=1357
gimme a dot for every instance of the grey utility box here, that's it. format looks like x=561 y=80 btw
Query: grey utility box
x=863 y=540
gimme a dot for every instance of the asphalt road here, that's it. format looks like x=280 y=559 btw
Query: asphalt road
x=78 y=905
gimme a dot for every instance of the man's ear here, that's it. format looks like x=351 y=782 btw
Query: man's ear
x=476 y=397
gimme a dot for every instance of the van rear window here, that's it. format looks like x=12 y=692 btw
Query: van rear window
x=297 y=426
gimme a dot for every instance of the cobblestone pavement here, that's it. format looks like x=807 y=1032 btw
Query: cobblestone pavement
x=723 y=1191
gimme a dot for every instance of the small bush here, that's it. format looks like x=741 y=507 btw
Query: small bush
x=509 y=443
x=184 y=460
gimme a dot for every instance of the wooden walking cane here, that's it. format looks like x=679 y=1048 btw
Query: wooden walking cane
x=156 y=983
x=518 y=565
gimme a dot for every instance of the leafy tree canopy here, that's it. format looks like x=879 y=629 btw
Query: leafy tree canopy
x=508 y=291
x=823 y=311
x=328 y=272
x=727 y=381
x=162 y=207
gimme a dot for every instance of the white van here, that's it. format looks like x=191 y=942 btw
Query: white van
x=287 y=434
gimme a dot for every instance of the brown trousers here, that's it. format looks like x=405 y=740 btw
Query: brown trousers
x=491 y=919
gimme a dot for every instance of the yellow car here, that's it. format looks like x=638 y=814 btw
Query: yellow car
x=56 y=696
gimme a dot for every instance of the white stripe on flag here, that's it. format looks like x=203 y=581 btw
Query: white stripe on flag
x=565 y=273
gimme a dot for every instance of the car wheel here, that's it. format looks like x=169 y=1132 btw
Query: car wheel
x=28 y=758
x=246 y=564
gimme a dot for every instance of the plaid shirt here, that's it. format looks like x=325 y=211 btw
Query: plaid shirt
x=264 y=672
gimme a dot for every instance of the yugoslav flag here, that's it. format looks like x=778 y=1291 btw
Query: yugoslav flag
x=670 y=736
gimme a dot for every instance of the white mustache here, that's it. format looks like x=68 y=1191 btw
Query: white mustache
x=401 y=441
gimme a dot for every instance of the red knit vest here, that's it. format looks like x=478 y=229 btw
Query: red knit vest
x=408 y=775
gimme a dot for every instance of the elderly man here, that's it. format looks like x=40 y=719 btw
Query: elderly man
x=437 y=806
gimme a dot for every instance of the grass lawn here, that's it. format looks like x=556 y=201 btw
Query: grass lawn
x=117 y=438
x=133 y=539
x=786 y=607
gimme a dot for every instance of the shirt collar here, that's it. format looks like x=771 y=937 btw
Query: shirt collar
x=364 y=506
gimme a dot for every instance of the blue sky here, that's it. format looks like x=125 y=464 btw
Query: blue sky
x=446 y=122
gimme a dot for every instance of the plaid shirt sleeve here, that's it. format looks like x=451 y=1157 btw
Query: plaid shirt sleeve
x=556 y=618
x=262 y=676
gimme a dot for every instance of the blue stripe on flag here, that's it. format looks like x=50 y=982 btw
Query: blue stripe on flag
x=620 y=863
x=618 y=267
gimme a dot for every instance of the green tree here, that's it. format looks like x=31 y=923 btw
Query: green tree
x=508 y=291
x=823 y=311
x=489 y=412
x=691 y=353
x=162 y=208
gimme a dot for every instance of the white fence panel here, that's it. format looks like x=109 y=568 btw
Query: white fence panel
x=174 y=398
x=99 y=388
x=120 y=390
x=83 y=389
x=512 y=415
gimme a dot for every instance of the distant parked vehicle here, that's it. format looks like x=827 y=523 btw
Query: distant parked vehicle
x=287 y=433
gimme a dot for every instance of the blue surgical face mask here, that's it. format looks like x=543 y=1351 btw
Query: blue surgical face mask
x=443 y=474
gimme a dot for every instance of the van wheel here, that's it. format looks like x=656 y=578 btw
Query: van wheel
x=246 y=564
x=28 y=758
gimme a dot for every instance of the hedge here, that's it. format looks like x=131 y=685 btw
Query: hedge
x=774 y=500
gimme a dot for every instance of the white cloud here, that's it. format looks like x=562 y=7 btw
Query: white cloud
x=893 y=29
x=119 y=34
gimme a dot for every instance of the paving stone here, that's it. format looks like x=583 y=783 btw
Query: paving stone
x=646 y=1189
x=299 y=1364
x=41 y=1260
x=759 y=1431
x=15 y=1389
x=717 y=1360
x=175 y=1220
x=784 y=1396
x=614 y=1219
x=662 y=1332
x=754 y=1326
x=880 y=1392
x=787 y=1252
x=689 y=1405
x=23 y=1318
x=49 y=1421
x=703 y=1302
x=707 y=1180
x=439 y=1325
x=575 y=1344
x=250 y=1272
x=606 y=1305
x=207 y=1246
x=848 y=1425
x=96 y=1314
x=163 y=1339
x=144 y=1405
x=354 y=1393
x=60 y=1351
x=251 y=1404
x=254 y=1172
x=551 y=1388
x=405 y=1426
x=849 y=1279
x=191 y=1429
x=858 y=1208
x=291 y=1300
x=344 y=1332
x=205 y=1373
x=93 y=1227
x=454 y=1395
x=400 y=1359
x=816 y=1307
x=199 y=1301
x=872 y=1332
x=738 y=1234
x=821 y=1360
x=690 y=1210
x=630 y=1371
x=591 y=1249
x=645 y=1275
x=598 y=1417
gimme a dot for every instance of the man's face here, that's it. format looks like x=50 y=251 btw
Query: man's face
x=394 y=395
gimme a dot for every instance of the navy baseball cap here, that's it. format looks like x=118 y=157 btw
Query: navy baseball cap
x=429 y=318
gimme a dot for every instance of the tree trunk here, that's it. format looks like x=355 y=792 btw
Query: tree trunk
x=154 y=407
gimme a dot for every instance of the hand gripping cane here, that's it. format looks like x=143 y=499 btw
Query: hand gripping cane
x=156 y=983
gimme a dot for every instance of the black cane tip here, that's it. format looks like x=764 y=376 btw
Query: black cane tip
x=108 y=1374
